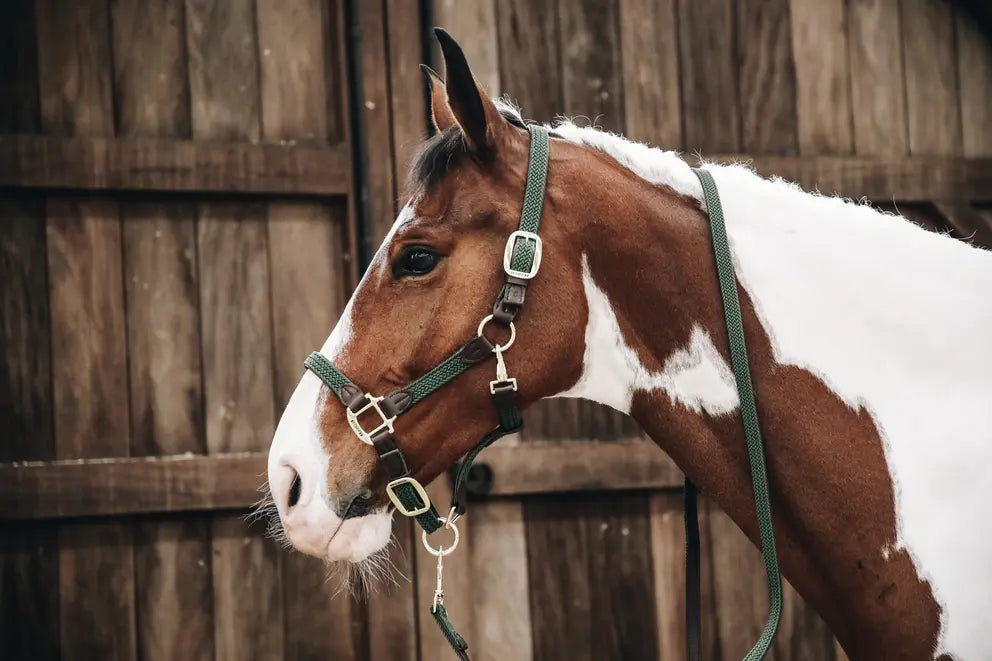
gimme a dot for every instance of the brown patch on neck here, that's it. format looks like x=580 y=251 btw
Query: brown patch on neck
x=832 y=493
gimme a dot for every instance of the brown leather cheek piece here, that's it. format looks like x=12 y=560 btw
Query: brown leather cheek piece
x=395 y=403
x=352 y=397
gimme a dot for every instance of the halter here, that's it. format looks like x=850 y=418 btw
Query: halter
x=521 y=262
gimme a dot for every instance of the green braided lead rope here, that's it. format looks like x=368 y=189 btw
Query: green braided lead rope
x=749 y=411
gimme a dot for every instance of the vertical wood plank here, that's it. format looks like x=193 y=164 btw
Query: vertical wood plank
x=498 y=568
x=89 y=372
x=823 y=77
x=620 y=578
x=767 y=77
x=652 y=98
x=172 y=577
x=380 y=170
x=932 y=99
x=878 y=91
x=558 y=567
x=407 y=92
x=308 y=276
x=668 y=568
x=974 y=69
x=529 y=60
x=29 y=580
x=711 y=106
x=590 y=62
x=238 y=380
x=473 y=24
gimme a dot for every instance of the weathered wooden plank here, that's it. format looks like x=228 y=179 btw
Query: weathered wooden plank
x=878 y=90
x=823 y=76
x=136 y=485
x=974 y=70
x=307 y=275
x=473 y=24
x=652 y=98
x=379 y=169
x=908 y=179
x=393 y=609
x=932 y=100
x=710 y=102
x=89 y=375
x=529 y=59
x=29 y=605
x=767 y=77
x=590 y=62
x=158 y=164
x=500 y=604
x=668 y=570
x=558 y=569
x=620 y=578
x=407 y=92
x=172 y=577
x=235 y=314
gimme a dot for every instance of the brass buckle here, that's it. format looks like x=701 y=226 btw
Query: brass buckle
x=511 y=243
x=400 y=507
x=366 y=436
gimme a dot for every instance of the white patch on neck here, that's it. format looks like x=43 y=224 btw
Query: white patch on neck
x=695 y=376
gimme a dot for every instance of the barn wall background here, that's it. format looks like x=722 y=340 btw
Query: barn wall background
x=187 y=192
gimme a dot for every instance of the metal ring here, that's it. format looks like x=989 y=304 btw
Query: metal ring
x=441 y=550
x=502 y=347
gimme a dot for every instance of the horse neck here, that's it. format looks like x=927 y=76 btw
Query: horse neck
x=657 y=348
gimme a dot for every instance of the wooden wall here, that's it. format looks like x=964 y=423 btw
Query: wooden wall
x=178 y=229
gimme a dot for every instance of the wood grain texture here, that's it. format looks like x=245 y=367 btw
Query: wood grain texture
x=823 y=76
x=974 y=70
x=558 y=567
x=172 y=572
x=529 y=56
x=393 y=610
x=710 y=102
x=236 y=330
x=932 y=100
x=620 y=578
x=500 y=604
x=473 y=24
x=307 y=279
x=668 y=569
x=878 y=90
x=590 y=62
x=164 y=165
x=89 y=375
x=29 y=605
x=767 y=77
x=652 y=98
x=407 y=92
x=380 y=171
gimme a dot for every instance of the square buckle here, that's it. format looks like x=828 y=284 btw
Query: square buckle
x=373 y=403
x=511 y=243
x=400 y=507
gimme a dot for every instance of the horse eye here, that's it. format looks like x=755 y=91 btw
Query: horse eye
x=416 y=260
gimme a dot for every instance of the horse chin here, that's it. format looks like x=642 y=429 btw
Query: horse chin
x=360 y=538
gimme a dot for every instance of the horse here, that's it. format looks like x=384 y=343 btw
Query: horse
x=873 y=396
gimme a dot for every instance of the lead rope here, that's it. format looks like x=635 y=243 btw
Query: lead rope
x=755 y=446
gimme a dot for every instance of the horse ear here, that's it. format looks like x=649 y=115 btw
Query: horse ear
x=441 y=116
x=468 y=102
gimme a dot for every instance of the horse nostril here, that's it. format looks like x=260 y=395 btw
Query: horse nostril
x=294 y=490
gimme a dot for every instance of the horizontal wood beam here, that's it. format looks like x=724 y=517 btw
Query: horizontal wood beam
x=152 y=164
x=908 y=179
x=107 y=487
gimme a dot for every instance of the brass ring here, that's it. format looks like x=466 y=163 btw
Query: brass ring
x=441 y=550
x=501 y=347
